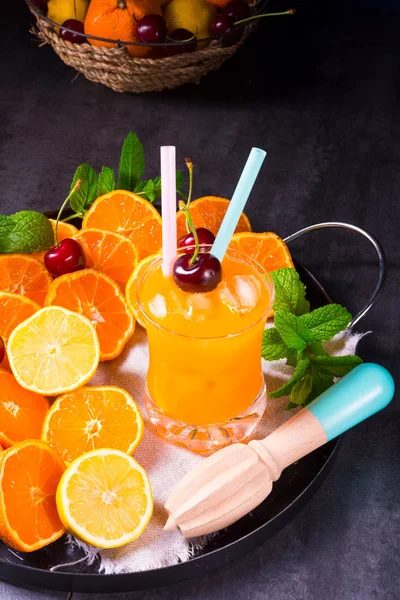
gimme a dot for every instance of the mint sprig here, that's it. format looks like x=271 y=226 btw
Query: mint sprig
x=298 y=337
x=130 y=172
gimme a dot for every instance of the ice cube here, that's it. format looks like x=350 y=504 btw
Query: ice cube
x=240 y=293
x=158 y=307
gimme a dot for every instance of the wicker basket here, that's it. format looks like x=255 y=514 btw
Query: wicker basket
x=117 y=69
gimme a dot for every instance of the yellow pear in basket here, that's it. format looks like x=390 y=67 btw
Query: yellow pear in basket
x=60 y=11
x=194 y=15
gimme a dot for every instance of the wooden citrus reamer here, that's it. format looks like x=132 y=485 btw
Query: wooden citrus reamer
x=232 y=482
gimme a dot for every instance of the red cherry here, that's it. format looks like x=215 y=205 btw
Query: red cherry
x=203 y=276
x=152 y=29
x=237 y=9
x=65 y=258
x=181 y=35
x=2 y=350
x=221 y=24
x=69 y=36
x=206 y=239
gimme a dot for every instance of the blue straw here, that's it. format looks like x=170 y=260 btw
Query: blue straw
x=237 y=204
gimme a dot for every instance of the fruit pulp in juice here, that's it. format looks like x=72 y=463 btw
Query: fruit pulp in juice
x=205 y=348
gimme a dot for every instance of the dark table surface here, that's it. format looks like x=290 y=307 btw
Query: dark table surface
x=320 y=92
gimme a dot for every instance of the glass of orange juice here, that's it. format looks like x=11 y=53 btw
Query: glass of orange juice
x=205 y=386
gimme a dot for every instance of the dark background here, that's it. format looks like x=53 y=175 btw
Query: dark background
x=320 y=92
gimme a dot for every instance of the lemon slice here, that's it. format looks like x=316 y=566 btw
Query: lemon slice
x=105 y=499
x=54 y=351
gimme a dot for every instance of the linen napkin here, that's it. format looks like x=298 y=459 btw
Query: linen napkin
x=166 y=463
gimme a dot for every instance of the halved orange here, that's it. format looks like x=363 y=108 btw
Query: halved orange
x=21 y=412
x=109 y=252
x=268 y=249
x=131 y=292
x=209 y=212
x=65 y=230
x=30 y=472
x=22 y=274
x=93 y=417
x=14 y=309
x=54 y=351
x=97 y=297
x=130 y=215
x=105 y=498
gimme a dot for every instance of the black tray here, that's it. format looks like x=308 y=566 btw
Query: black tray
x=290 y=494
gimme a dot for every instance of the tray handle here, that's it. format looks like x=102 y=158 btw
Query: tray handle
x=378 y=248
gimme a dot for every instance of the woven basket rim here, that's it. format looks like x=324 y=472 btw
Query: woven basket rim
x=121 y=43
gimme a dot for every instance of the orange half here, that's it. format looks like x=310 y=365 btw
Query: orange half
x=97 y=297
x=209 y=212
x=109 y=252
x=130 y=215
x=22 y=274
x=29 y=476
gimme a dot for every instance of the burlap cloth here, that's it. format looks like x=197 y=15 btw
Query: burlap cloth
x=166 y=463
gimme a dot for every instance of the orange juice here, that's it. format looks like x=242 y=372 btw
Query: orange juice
x=205 y=348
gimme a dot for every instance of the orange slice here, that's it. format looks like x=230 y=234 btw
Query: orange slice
x=54 y=351
x=93 y=417
x=209 y=212
x=105 y=499
x=130 y=215
x=98 y=298
x=21 y=412
x=268 y=249
x=130 y=291
x=22 y=274
x=29 y=475
x=111 y=253
x=65 y=230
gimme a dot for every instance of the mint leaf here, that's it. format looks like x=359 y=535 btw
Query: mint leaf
x=320 y=383
x=179 y=180
x=301 y=390
x=293 y=332
x=290 y=292
x=150 y=189
x=301 y=370
x=82 y=199
x=106 y=181
x=327 y=321
x=337 y=366
x=273 y=347
x=131 y=164
x=25 y=232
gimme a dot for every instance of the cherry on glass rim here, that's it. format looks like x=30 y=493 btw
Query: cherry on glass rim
x=206 y=239
x=152 y=29
x=67 y=257
x=69 y=36
x=202 y=276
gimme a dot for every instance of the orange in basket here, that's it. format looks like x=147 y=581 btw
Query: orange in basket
x=117 y=20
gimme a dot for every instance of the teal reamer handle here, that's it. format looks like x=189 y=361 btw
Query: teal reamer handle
x=364 y=391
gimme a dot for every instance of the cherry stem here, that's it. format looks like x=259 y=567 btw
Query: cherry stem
x=170 y=39
x=291 y=11
x=64 y=204
x=192 y=230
